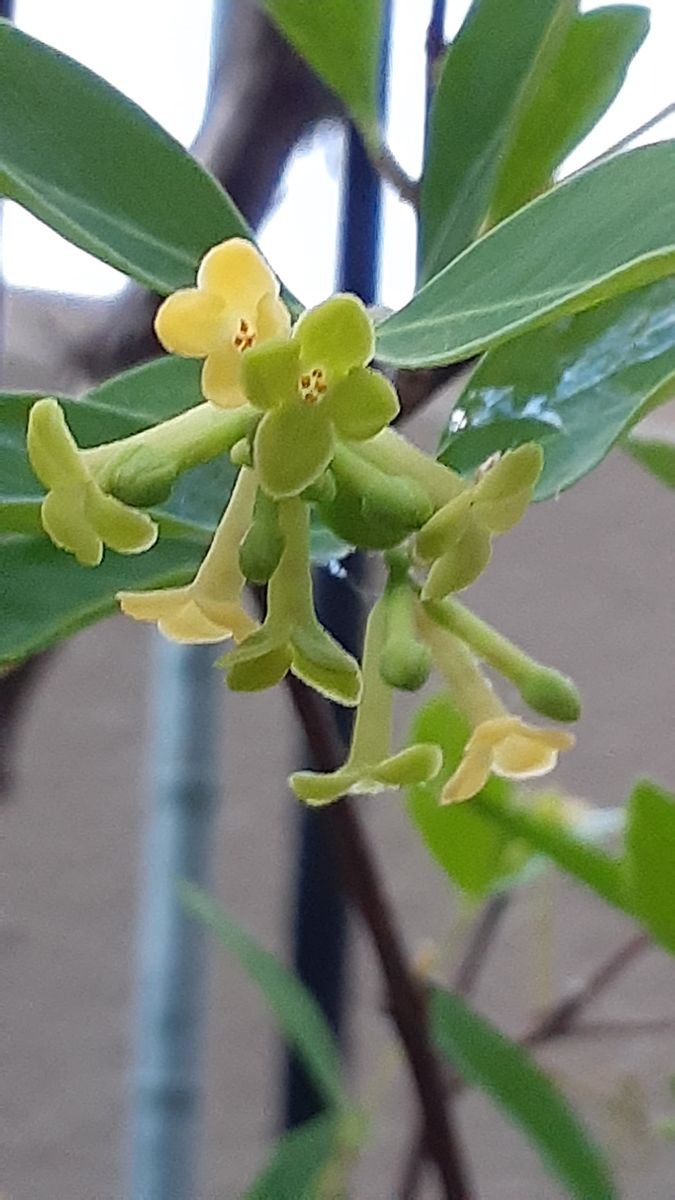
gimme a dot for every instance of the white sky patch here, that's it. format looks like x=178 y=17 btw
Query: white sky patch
x=163 y=66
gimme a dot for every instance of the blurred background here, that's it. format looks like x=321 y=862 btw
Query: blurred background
x=585 y=583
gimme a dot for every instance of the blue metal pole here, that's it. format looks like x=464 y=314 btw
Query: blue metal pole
x=319 y=919
x=184 y=796
x=167 y=1091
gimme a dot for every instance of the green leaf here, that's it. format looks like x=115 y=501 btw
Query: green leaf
x=96 y=168
x=298 y=1161
x=294 y=1008
x=547 y=834
x=562 y=103
x=656 y=457
x=341 y=42
x=599 y=234
x=574 y=387
x=46 y=595
x=526 y=1095
x=475 y=852
x=471 y=116
x=650 y=859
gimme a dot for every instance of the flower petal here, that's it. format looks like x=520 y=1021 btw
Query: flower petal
x=471 y=775
x=461 y=564
x=52 y=449
x=221 y=377
x=293 y=446
x=361 y=404
x=415 y=764
x=238 y=273
x=272 y=318
x=530 y=752
x=192 y=323
x=323 y=664
x=336 y=335
x=124 y=529
x=260 y=662
x=65 y=519
x=269 y=373
x=317 y=788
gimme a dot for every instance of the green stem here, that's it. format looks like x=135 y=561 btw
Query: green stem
x=459 y=669
x=289 y=595
x=372 y=725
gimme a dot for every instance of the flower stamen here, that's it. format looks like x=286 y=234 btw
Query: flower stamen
x=245 y=337
x=313 y=386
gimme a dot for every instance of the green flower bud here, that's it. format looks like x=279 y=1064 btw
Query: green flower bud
x=241 y=454
x=143 y=477
x=370 y=509
x=550 y=693
x=405 y=661
x=322 y=491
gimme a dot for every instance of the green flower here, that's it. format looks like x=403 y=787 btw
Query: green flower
x=291 y=638
x=371 y=767
x=458 y=538
x=76 y=512
x=313 y=388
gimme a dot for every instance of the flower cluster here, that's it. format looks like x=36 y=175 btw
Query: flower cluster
x=306 y=419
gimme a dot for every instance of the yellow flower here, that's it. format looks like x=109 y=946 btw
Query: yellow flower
x=209 y=609
x=234 y=306
x=500 y=743
x=76 y=513
x=508 y=747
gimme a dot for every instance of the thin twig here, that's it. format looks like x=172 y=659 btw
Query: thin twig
x=628 y=138
x=406 y=1002
x=560 y=1019
x=390 y=170
x=466 y=977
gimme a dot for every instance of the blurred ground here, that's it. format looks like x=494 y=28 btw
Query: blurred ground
x=586 y=583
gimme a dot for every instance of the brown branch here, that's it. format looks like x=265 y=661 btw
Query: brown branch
x=561 y=1018
x=405 y=997
x=390 y=171
x=466 y=977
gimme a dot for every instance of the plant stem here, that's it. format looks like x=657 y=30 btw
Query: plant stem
x=364 y=888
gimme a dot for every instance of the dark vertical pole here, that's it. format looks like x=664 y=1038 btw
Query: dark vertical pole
x=319 y=917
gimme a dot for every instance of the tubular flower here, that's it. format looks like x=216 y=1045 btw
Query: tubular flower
x=312 y=388
x=234 y=306
x=76 y=513
x=458 y=538
x=500 y=743
x=209 y=609
x=291 y=638
x=371 y=767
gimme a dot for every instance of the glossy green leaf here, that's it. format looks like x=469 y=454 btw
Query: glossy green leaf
x=657 y=457
x=298 y=1162
x=45 y=595
x=524 y=1093
x=94 y=166
x=574 y=387
x=294 y=1008
x=341 y=41
x=599 y=234
x=485 y=69
x=650 y=859
x=562 y=103
x=474 y=851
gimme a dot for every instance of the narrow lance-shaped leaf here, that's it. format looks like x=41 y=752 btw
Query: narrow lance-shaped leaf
x=341 y=41
x=650 y=859
x=657 y=457
x=561 y=104
x=294 y=1008
x=90 y=163
x=308 y=1159
x=604 y=232
x=486 y=67
x=575 y=387
x=524 y=1093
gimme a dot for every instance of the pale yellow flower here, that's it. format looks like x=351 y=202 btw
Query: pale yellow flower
x=234 y=306
x=508 y=747
x=209 y=609
x=500 y=743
